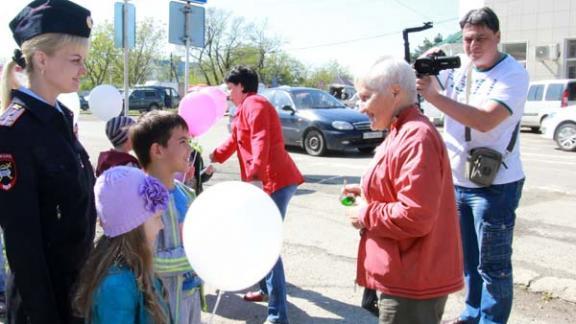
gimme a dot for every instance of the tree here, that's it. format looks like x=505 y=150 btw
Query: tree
x=231 y=41
x=323 y=76
x=101 y=57
x=426 y=44
x=105 y=63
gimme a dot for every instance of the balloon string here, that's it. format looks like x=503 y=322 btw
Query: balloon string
x=216 y=305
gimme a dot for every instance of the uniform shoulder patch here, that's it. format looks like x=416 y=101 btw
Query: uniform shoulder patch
x=11 y=115
x=7 y=172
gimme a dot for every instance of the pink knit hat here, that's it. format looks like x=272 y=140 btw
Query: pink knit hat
x=126 y=197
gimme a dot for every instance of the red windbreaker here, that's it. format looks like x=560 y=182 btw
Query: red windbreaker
x=410 y=246
x=256 y=137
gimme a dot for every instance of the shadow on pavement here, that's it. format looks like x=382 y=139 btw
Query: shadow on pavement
x=233 y=307
x=330 y=179
x=344 y=312
x=351 y=154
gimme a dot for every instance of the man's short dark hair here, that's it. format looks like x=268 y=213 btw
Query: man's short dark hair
x=481 y=17
x=153 y=127
x=245 y=76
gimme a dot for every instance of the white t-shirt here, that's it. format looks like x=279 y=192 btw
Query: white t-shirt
x=506 y=83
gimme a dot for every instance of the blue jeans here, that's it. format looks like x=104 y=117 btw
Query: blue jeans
x=487 y=217
x=274 y=285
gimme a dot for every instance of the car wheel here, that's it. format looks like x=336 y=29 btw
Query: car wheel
x=314 y=143
x=565 y=136
x=366 y=150
x=153 y=107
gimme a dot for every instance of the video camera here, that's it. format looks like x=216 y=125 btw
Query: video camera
x=434 y=63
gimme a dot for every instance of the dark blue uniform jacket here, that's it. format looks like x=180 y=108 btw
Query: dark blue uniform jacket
x=46 y=208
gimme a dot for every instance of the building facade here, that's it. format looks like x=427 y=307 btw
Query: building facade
x=541 y=34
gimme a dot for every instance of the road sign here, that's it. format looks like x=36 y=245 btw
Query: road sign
x=179 y=29
x=119 y=24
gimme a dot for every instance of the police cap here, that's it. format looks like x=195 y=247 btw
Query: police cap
x=51 y=16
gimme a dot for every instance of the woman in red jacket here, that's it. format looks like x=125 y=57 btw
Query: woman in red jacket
x=256 y=137
x=409 y=249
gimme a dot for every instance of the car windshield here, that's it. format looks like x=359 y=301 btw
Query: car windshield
x=314 y=99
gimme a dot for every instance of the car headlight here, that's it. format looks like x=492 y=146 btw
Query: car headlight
x=342 y=125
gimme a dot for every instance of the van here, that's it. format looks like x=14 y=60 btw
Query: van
x=545 y=97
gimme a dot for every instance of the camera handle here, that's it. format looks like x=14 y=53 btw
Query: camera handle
x=405 y=32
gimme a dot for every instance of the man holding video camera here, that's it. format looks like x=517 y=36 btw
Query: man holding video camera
x=483 y=102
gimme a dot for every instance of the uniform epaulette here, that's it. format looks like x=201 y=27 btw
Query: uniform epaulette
x=11 y=115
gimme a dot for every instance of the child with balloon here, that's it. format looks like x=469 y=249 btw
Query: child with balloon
x=161 y=142
x=118 y=284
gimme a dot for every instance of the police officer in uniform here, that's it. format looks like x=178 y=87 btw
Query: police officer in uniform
x=46 y=179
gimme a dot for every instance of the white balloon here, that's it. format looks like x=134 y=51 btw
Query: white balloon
x=232 y=235
x=71 y=101
x=105 y=102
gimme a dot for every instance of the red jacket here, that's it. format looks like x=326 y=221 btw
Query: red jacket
x=256 y=137
x=410 y=246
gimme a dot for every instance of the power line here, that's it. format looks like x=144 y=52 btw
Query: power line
x=412 y=9
x=363 y=38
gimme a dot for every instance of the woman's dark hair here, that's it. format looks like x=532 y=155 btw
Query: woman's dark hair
x=245 y=76
x=481 y=17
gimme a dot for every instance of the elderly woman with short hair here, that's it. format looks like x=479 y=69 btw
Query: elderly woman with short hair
x=409 y=250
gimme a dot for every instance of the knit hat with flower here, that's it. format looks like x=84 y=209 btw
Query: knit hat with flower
x=126 y=197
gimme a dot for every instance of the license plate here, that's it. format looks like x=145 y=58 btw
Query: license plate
x=369 y=135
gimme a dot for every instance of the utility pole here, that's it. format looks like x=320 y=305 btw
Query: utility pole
x=125 y=45
x=187 y=44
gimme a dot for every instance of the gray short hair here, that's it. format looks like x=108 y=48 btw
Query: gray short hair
x=387 y=71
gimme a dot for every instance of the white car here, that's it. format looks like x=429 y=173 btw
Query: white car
x=546 y=97
x=561 y=127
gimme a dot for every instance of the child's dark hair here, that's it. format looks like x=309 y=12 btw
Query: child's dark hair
x=153 y=127
x=245 y=76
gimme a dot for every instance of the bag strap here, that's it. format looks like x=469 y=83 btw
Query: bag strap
x=467 y=131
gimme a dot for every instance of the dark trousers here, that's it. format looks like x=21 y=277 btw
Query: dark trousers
x=16 y=314
x=399 y=310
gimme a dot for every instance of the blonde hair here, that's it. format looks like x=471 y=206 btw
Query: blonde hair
x=48 y=43
x=130 y=250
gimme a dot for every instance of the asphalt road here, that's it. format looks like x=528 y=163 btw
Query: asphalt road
x=320 y=246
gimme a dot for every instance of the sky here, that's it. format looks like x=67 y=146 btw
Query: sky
x=353 y=32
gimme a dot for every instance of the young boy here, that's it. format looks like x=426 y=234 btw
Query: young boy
x=117 y=132
x=161 y=142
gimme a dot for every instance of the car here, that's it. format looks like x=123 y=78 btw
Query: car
x=146 y=99
x=316 y=121
x=561 y=127
x=83 y=95
x=546 y=97
x=171 y=96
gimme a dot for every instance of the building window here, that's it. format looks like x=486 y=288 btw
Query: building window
x=517 y=51
x=571 y=58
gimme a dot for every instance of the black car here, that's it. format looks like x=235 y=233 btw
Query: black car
x=318 y=122
x=171 y=96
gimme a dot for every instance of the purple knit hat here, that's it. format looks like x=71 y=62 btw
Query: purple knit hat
x=126 y=197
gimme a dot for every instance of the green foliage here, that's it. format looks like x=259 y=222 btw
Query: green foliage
x=437 y=41
x=105 y=63
x=327 y=74
x=230 y=41
x=426 y=44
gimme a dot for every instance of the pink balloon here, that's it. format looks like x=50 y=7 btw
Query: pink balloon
x=199 y=111
x=219 y=97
